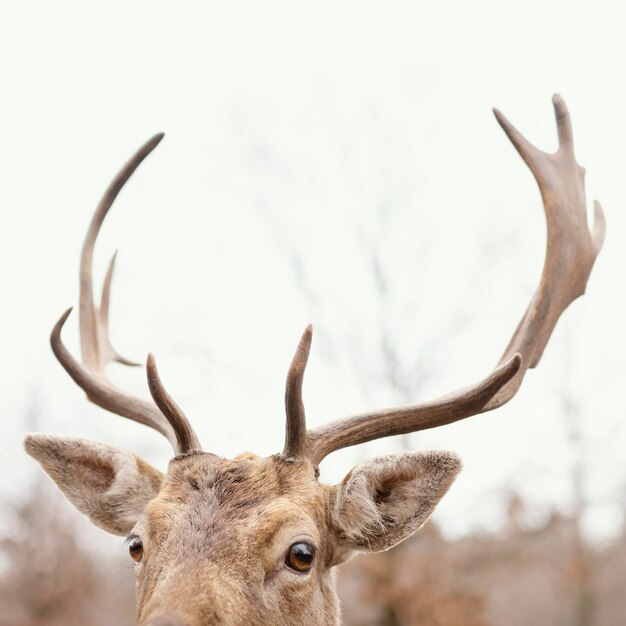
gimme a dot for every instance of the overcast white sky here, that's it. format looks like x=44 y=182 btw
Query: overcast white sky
x=315 y=134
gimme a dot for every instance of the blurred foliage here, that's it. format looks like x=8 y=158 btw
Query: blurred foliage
x=521 y=575
x=49 y=579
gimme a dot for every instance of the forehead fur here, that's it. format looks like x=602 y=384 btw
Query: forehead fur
x=217 y=495
x=241 y=482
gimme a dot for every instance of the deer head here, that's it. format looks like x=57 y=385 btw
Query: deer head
x=254 y=540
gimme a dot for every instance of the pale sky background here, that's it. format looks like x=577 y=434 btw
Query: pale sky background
x=304 y=140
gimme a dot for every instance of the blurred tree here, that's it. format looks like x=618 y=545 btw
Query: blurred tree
x=419 y=582
x=49 y=579
x=522 y=575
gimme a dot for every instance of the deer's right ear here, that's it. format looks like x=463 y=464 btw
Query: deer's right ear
x=108 y=484
x=383 y=501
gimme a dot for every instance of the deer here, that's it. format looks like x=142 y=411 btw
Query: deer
x=253 y=540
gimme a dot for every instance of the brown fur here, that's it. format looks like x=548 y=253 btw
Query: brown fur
x=229 y=525
x=216 y=532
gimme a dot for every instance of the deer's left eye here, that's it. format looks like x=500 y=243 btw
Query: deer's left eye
x=135 y=548
x=301 y=556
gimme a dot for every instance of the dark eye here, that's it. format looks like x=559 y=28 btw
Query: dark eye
x=135 y=547
x=300 y=556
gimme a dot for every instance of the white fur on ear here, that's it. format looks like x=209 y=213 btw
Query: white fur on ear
x=383 y=501
x=108 y=484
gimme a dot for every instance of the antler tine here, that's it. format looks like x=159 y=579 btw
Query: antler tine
x=93 y=334
x=94 y=324
x=527 y=151
x=185 y=437
x=563 y=123
x=108 y=352
x=598 y=232
x=571 y=253
x=295 y=429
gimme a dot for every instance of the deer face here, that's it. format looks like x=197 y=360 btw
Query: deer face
x=235 y=542
x=244 y=541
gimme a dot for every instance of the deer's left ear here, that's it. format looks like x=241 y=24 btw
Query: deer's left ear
x=108 y=484
x=383 y=501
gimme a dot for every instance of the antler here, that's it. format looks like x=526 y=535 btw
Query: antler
x=571 y=252
x=295 y=431
x=96 y=346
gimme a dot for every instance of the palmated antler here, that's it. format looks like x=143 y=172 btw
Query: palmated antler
x=571 y=252
x=96 y=346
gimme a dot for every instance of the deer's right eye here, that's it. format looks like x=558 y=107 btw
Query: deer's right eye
x=135 y=548
x=300 y=556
